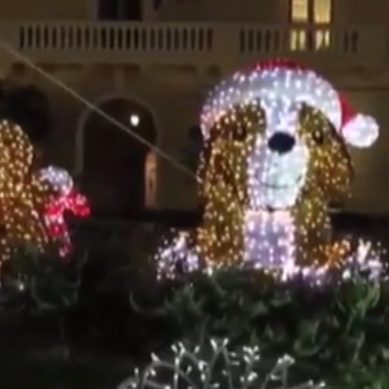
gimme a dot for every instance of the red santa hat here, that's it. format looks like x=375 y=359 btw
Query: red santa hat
x=289 y=80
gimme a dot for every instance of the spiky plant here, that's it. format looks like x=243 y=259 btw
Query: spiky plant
x=214 y=365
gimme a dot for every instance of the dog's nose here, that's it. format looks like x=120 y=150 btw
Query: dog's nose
x=281 y=142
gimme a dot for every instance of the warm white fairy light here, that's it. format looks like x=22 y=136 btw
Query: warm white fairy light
x=21 y=193
x=29 y=199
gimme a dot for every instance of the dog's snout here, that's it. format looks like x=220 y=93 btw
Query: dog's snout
x=281 y=142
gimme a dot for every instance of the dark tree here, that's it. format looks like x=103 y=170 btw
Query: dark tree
x=27 y=106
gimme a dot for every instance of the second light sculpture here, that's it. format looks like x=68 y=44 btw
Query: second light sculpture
x=33 y=201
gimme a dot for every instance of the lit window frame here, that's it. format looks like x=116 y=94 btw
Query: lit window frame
x=310 y=35
x=293 y=19
x=330 y=16
x=310 y=20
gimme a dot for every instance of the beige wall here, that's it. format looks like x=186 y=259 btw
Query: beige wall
x=169 y=92
x=162 y=94
x=268 y=11
x=45 y=9
x=362 y=11
x=263 y=11
x=176 y=101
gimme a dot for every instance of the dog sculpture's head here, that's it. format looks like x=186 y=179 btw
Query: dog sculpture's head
x=277 y=134
x=297 y=153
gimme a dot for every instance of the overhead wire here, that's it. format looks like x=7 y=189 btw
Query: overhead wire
x=93 y=107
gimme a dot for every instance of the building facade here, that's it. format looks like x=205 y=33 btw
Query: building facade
x=150 y=63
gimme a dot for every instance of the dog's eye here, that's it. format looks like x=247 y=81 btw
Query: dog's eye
x=318 y=136
x=239 y=132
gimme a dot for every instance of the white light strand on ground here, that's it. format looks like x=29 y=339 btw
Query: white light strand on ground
x=15 y=53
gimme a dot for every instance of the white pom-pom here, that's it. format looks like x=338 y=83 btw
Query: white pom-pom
x=361 y=131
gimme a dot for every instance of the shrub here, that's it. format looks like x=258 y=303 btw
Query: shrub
x=334 y=330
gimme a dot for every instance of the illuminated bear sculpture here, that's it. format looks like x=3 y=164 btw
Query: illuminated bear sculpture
x=32 y=201
x=274 y=160
x=21 y=194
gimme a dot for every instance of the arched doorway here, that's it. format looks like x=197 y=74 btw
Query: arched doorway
x=118 y=172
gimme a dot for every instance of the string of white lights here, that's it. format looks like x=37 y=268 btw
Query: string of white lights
x=17 y=54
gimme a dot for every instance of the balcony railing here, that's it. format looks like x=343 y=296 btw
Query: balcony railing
x=192 y=43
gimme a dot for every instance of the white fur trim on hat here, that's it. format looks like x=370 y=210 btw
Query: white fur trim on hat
x=361 y=131
x=300 y=85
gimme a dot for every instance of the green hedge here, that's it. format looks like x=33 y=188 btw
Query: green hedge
x=338 y=332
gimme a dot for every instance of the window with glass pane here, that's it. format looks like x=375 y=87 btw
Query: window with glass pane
x=108 y=10
x=298 y=40
x=322 y=39
x=322 y=11
x=299 y=10
x=119 y=10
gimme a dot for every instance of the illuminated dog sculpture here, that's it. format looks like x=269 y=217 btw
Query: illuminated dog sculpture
x=274 y=160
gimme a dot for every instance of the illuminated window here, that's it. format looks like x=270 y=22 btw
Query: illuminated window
x=322 y=11
x=311 y=11
x=311 y=15
x=322 y=39
x=298 y=40
x=300 y=11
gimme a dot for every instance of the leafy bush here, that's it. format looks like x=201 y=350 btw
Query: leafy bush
x=335 y=330
x=42 y=284
x=40 y=281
